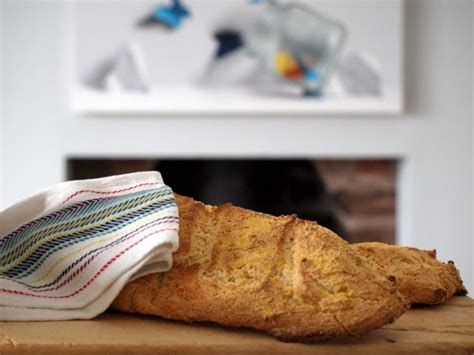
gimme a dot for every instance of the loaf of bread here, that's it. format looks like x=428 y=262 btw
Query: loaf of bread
x=419 y=276
x=292 y=278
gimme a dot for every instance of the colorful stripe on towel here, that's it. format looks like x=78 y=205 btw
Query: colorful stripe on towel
x=57 y=255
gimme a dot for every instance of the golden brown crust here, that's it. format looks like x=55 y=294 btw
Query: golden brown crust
x=420 y=277
x=289 y=277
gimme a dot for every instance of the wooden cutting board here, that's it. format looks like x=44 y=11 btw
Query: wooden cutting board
x=448 y=328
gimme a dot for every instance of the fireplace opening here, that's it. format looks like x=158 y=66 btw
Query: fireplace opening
x=354 y=198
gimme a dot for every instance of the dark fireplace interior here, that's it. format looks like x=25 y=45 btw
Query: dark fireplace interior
x=354 y=198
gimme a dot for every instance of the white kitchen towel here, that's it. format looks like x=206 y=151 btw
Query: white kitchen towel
x=67 y=251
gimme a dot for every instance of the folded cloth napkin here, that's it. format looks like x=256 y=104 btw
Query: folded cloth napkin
x=66 y=252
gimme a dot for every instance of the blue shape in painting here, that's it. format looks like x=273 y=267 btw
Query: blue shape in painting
x=228 y=42
x=311 y=74
x=313 y=93
x=171 y=15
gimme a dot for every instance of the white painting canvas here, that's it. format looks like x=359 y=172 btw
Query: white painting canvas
x=238 y=56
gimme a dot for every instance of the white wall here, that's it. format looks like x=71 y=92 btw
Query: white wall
x=433 y=139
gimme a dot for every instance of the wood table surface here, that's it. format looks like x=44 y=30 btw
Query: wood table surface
x=447 y=328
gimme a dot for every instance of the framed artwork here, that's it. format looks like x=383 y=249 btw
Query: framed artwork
x=238 y=57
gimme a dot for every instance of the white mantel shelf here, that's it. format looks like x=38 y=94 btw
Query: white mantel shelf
x=191 y=100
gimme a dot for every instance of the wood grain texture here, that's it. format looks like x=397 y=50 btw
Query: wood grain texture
x=447 y=328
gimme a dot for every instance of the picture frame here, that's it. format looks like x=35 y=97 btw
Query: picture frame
x=177 y=60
